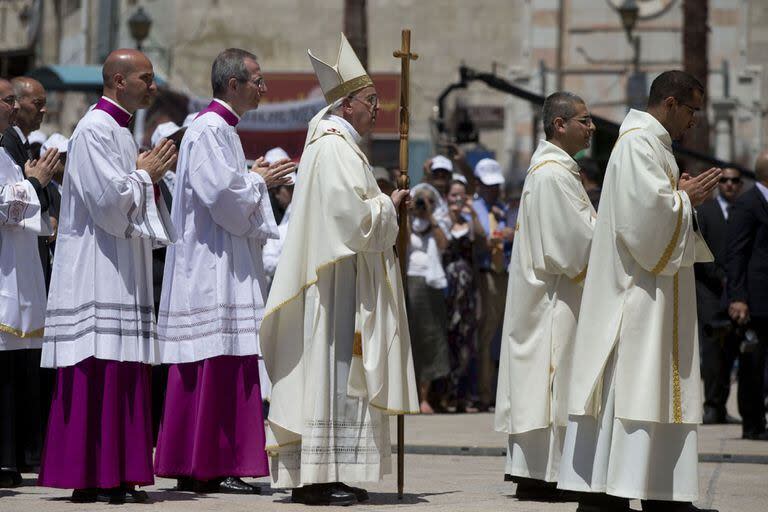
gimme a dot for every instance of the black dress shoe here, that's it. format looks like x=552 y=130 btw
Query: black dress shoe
x=133 y=495
x=234 y=485
x=360 y=494
x=323 y=494
x=530 y=489
x=84 y=495
x=10 y=478
x=601 y=502
x=185 y=483
x=712 y=417
x=672 y=506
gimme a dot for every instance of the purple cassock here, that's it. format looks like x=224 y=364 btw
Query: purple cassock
x=100 y=427
x=99 y=331
x=211 y=307
x=213 y=425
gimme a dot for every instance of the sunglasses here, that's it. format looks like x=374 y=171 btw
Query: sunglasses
x=735 y=181
x=9 y=100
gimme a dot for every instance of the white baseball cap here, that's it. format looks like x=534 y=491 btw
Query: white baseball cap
x=57 y=141
x=441 y=162
x=488 y=171
x=459 y=177
x=163 y=131
x=275 y=155
x=37 y=137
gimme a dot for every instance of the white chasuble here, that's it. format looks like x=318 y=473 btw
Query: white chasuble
x=549 y=262
x=100 y=301
x=639 y=308
x=22 y=289
x=214 y=287
x=335 y=336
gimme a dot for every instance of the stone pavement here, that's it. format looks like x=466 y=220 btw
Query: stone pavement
x=733 y=478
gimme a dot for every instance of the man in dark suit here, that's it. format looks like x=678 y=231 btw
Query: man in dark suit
x=33 y=384
x=747 y=288
x=719 y=341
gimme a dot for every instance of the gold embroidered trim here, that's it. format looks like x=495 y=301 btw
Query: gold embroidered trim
x=545 y=162
x=626 y=132
x=580 y=277
x=348 y=87
x=676 y=397
x=667 y=254
x=37 y=333
x=392 y=411
x=357 y=345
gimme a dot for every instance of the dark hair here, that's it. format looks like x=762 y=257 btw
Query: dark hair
x=677 y=84
x=229 y=64
x=559 y=104
x=591 y=169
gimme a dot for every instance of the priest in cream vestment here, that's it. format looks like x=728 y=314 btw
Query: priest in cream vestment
x=634 y=400
x=335 y=335
x=548 y=265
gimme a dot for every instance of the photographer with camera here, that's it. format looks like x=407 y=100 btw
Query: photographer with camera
x=426 y=281
x=746 y=270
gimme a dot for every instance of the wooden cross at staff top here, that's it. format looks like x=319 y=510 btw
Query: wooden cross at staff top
x=405 y=55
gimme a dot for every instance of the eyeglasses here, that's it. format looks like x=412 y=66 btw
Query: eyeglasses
x=694 y=111
x=735 y=181
x=10 y=100
x=259 y=83
x=371 y=100
x=586 y=121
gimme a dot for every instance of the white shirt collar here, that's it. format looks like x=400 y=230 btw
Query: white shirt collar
x=724 y=205
x=763 y=189
x=116 y=104
x=347 y=125
x=18 y=130
x=226 y=105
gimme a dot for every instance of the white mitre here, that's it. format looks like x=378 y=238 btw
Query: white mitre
x=339 y=80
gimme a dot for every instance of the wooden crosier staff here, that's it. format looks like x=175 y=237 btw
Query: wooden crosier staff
x=405 y=56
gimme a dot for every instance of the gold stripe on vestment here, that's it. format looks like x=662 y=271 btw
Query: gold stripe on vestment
x=357 y=345
x=677 y=408
x=37 y=333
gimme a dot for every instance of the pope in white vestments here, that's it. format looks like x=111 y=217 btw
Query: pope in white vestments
x=546 y=273
x=214 y=292
x=634 y=393
x=100 y=326
x=335 y=335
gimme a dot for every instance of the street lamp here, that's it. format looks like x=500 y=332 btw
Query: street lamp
x=629 y=12
x=139 y=24
x=636 y=83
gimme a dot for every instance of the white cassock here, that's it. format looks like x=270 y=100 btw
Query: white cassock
x=100 y=302
x=549 y=262
x=335 y=336
x=634 y=398
x=22 y=289
x=214 y=289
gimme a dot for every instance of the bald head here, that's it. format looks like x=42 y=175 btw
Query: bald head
x=26 y=86
x=761 y=167
x=30 y=96
x=7 y=104
x=122 y=62
x=129 y=79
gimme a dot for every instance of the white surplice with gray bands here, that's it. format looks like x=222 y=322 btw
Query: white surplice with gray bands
x=214 y=286
x=100 y=301
x=344 y=439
